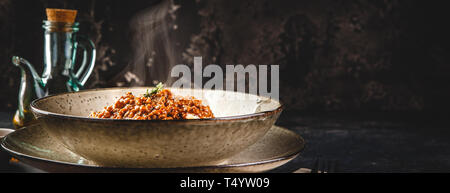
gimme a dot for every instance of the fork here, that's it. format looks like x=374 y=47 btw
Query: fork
x=324 y=166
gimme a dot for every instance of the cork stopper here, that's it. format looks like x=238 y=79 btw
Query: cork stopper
x=61 y=15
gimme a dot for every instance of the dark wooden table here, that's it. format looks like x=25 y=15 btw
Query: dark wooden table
x=377 y=142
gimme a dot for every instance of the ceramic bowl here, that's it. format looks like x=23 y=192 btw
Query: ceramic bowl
x=33 y=146
x=241 y=120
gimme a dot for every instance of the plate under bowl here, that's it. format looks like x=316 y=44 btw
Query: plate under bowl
x=33 y=146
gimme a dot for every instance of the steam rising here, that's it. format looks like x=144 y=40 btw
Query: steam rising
x=153 y=47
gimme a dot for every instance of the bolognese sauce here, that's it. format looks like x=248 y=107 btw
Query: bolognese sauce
x=161 y=105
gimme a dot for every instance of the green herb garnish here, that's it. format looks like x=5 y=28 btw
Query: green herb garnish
x=157 y=89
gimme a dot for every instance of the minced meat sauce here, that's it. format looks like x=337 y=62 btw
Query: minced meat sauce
x=160 y=106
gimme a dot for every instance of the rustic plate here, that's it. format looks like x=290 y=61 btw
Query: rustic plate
x=33 y=146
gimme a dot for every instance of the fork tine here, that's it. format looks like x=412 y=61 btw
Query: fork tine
x=331 y=166
x=324 y=166
x=315 y=167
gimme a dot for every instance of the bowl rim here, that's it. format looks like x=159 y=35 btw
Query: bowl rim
x=75 y=117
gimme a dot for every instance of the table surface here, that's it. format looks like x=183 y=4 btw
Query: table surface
x=377 y=142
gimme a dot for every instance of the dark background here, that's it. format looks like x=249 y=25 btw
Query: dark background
x=334 y=55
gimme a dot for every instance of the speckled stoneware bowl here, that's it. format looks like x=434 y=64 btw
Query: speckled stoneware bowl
x=241 y=120
x=33 y=146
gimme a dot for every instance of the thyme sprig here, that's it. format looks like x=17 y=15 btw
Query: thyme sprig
x=157 y=89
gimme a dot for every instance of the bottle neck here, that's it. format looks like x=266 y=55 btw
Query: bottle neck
x=51 y=26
